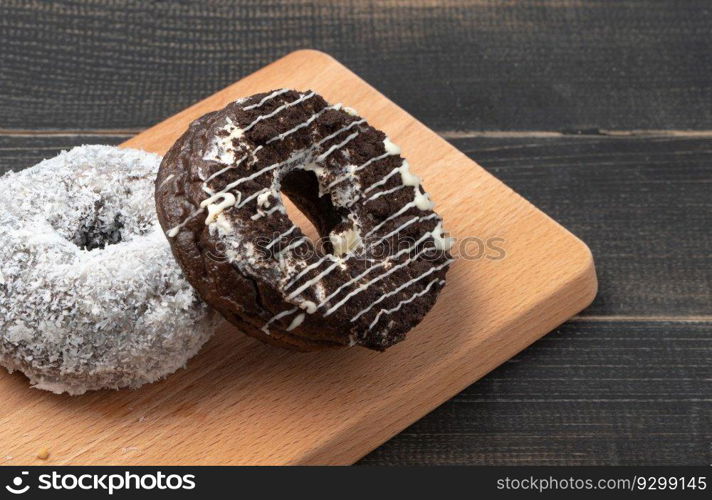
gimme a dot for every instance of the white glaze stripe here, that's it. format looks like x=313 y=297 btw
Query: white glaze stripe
x=402 y=287
x=166 y=181
x=307 y=269
x=367 y=271
x=278 y=238
x=339 y=180
x=312 y=281
x=333 y=148
x=278 y=110
x=334 y=134
x=298 y=320
x=276 y=317
x=277 y=208
x=403 y=302
x=366 y=285
x=403 y=226
x=252 y=197
x=289 y=132
x=403 y=209
x=254 y=175
x=220 y=172
x=172 y=233
x=266 y=98
x=361 y=167
x=294 y=244
x=214 y=210
x=383 y=193
x=382 y=181
x=374 y=159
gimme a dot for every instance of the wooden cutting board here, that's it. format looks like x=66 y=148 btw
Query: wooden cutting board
x=242 y=402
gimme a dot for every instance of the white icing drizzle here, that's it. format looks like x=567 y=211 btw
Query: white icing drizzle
x=235 y=132
x=279 y=109
x=422 y=200
x=223 y=226
x=408 y=178
x=311 y=120
x=259 y=193
x=333 y=148
x=312 y=281
x=292 y=245
x=372 y=160
x=220 y=172
x=350 y=169
x=166 y=181
x=298 y=320
x=403 y=209
x=266 y=98
x=308 y=306
x=432 y=234
x=383 y=263
x=223 y=150
x=334 y=134
x=291 y=158
x=215 y=209
x=274 y=318
x=442 y=242
x=278 y=238
x=259 y=215
x=254 y=175
x=390 y=151
x=365 y=286
x=345 y=242
x=391 y=148
x=383 y=193
x=403 y=302
x=172 y=233
x=402 y=287
x=279 y=164
x=307 y=269
x=404 y=225
x=263 y=198
x=382 y=181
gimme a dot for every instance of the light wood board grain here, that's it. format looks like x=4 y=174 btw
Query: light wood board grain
x=241 y=402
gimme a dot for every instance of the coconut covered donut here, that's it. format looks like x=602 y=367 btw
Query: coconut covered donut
x=90 y=295
x=383 y=257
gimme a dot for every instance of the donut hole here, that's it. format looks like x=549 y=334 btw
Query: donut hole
x=97 y=235
x=105 y=226
x=315 y=215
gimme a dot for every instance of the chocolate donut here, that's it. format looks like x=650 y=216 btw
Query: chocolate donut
x=90 y=295
x=383 y=254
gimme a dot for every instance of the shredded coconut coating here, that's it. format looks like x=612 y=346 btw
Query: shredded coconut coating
x=90 y=295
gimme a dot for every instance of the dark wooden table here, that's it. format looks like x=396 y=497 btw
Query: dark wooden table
x=598 y=112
